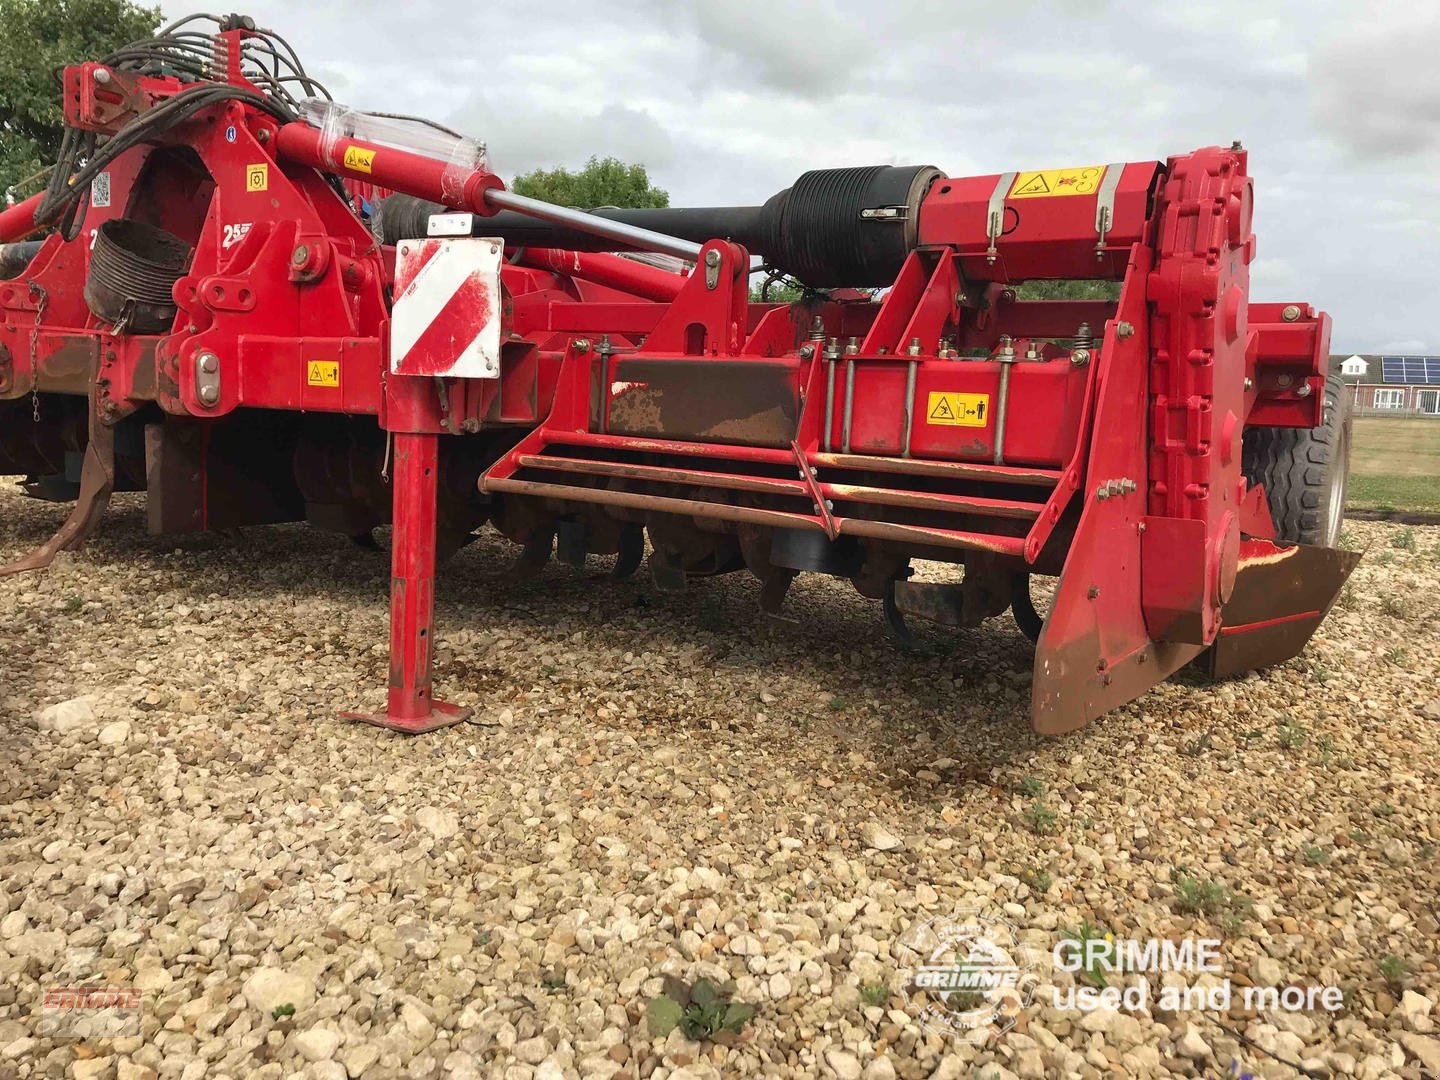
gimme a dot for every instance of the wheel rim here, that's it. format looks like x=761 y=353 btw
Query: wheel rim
x=1339 y=472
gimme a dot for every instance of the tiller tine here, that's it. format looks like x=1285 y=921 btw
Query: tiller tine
x=1281 y=595
x=97 y=481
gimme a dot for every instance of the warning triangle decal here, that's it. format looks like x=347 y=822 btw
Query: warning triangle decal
x=1036 y=185
x=942 y=411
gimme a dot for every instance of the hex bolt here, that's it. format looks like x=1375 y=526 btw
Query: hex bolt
x=581 y=345
x=1080 y=357
x=209 y=363
x=300 y=256
x=914 y=347
x=1124 y=329
x=208 y=394
x=1290 y=312
x=806 y=352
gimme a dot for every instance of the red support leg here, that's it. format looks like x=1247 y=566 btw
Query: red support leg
x=412 y=709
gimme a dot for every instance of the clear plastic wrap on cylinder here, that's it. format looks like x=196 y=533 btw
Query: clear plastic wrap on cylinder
x=463 y=156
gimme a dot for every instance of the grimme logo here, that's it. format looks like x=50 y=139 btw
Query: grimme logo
x=972 y=975
x=90 y=1012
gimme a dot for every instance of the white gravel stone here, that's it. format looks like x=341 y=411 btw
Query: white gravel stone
x=1192 y=1044
x=66 y=716
x=316 y=1044
x=532 y=1051
x=114 y=733
x=842 y=1063
x=440 y=824
x=879 y=838
x=269 y=988
x=359 y=1058
x=676 y=789
x=1414 y=1004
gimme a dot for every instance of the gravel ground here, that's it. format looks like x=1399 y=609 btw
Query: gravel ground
x=673 y=786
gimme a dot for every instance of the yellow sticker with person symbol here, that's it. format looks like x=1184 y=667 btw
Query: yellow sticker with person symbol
x=1084 y=180
x=957 y=410
x=322 y=373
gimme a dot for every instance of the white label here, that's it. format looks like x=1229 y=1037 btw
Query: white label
x=100 y=190
x=450 y=224
x=235 y=233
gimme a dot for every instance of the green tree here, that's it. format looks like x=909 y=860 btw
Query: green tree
x=603 y=182
x=1067 y=289
x=37 y=39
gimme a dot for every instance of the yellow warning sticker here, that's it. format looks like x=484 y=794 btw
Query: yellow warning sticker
x=1084 y=180
x=323 y=373
x=359 y=159
x=957 y=410
x=257 y=177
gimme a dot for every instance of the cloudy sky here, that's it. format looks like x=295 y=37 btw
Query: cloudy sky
x=727 y=102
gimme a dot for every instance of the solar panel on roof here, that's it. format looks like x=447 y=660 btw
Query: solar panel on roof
x=1415 y=370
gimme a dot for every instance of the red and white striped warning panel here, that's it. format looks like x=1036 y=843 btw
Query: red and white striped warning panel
x=446 y=319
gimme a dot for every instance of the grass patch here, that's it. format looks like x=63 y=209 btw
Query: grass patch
x=1092 y=973
x=701 y=1011
x=1213 y=899
x=1395 y=445
x=1039 y=818
x=1393 y=970
x=875 y=994
x=1397 y=607
x=1038 y=880
x=1414 y=493
x=1030 y=788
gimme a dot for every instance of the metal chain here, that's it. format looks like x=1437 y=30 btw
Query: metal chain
x=36 y=289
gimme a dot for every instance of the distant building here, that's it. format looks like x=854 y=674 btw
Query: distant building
x=1398 y=385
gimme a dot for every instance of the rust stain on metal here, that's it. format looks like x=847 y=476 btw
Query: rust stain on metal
x=725 y=401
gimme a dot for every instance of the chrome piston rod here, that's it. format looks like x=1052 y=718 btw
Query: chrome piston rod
x=632 y=235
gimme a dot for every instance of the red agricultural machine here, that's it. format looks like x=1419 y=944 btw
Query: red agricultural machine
x=258 y=306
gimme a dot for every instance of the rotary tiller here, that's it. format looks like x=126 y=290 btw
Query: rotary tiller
x=258 y=306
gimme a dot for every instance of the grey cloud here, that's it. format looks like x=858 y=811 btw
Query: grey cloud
x=730 y=100
x=1376 y=86
x=521 y=137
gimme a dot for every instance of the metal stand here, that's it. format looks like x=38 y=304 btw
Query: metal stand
x=411 y=708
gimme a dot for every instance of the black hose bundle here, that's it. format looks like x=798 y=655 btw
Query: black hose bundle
x=189 y=55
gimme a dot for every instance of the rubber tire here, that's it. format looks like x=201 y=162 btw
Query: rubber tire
x=1022 y=607
x=1304 y=470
